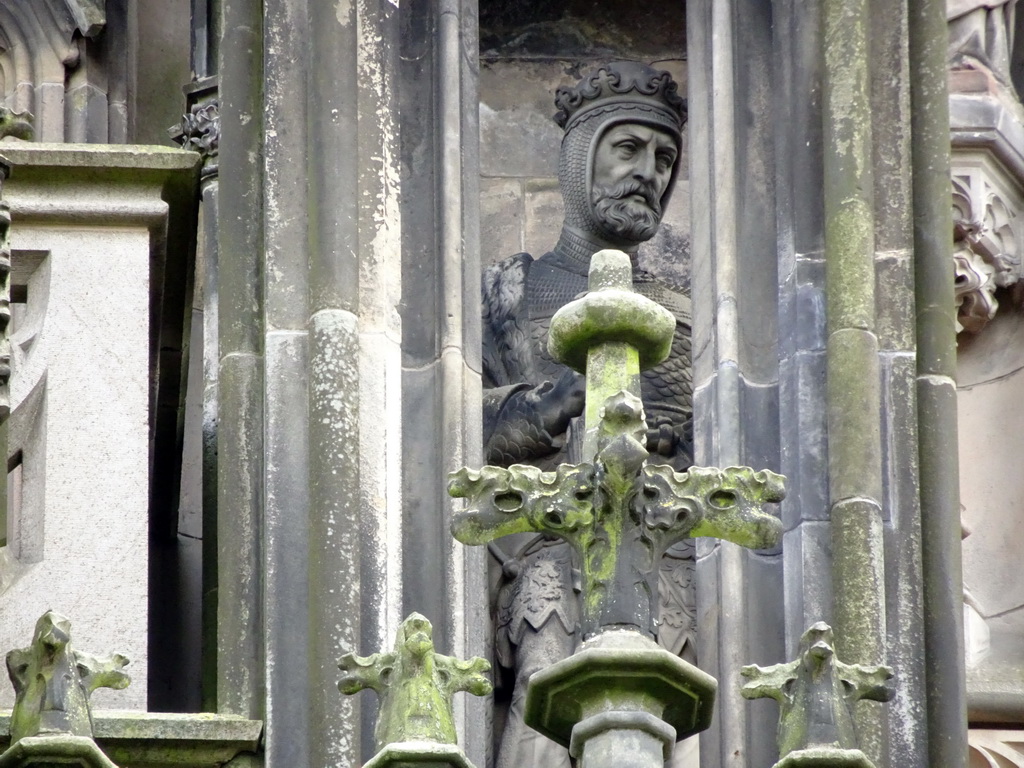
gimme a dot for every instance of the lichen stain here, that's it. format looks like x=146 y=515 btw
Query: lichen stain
x=343 y=11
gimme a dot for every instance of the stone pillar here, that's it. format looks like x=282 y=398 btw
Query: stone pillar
x=767 y=358
x=343 y=332
x=193 y=588
x=240 y=437
x=735 y=343
x=441 y=331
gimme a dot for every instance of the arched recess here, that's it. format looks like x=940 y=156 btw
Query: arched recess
x=65 y=63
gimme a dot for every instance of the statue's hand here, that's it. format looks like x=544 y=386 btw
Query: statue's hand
x=560 y=402
x=668 y=438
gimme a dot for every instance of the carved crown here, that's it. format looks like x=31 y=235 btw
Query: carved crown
x=620 y=83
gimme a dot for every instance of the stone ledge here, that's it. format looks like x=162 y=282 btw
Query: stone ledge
x=165 y=740
x=986 y=121
x=103 y=156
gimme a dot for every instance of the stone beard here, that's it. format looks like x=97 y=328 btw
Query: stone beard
x=617 y=167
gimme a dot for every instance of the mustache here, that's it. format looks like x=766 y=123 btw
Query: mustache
x=630 y=187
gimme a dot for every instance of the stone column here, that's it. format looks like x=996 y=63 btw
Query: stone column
x=343 y=322
x=286 y=404
x=184 y=494
x=936 y=390
x=760 y=113
x=240 y=437
x=441 y=330
x=735 y=343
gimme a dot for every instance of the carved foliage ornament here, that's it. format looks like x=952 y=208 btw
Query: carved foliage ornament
x=199 y=130
x=816 y=694
x=985 y=245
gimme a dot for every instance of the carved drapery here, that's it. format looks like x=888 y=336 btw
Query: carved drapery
x=982 y=31
x=986 y=203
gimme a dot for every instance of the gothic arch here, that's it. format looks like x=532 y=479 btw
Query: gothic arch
x=60 y=61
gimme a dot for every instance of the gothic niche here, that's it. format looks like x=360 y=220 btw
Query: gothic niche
x=986 y=201
x=64 y=70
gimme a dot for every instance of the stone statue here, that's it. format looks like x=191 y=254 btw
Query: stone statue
x=53 y=682
x=816 y=694
x=618 y=164
x=983 y=30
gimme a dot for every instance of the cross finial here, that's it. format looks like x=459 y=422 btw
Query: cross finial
x=619 y=512
x=53 y=682
x=415 y=685
x=816 y=693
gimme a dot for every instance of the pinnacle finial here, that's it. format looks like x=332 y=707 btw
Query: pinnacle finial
x=415 y=685
x=53 y=682
x=816 y=693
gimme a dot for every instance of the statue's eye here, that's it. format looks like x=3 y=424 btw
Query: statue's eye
x=626 y=148
x=665 y=160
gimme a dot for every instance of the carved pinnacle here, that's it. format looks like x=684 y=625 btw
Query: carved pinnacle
x=415 y=685
x=816 y=693
x=53 y=682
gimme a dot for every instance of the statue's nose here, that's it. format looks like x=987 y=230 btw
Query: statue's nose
x=644 y=170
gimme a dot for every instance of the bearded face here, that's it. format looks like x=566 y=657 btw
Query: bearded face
x=629 y=210
x=632 y=168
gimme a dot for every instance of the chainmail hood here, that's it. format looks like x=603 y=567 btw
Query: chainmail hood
x=615 y=93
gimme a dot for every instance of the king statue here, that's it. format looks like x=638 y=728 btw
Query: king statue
x=618 y=164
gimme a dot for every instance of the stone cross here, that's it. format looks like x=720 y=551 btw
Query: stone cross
x=619 y=513
x=816 y=694
x=415 y=685
x=53 y=682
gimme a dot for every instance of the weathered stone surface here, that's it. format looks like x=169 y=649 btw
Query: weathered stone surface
x=516 y=29
x=544 y=213
x=610 y=313
x=804 y=452
x=55 y=750
x=807 y=555
x=287 y=570
x=88 y=216
x=501 y=218
x=419 y=753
